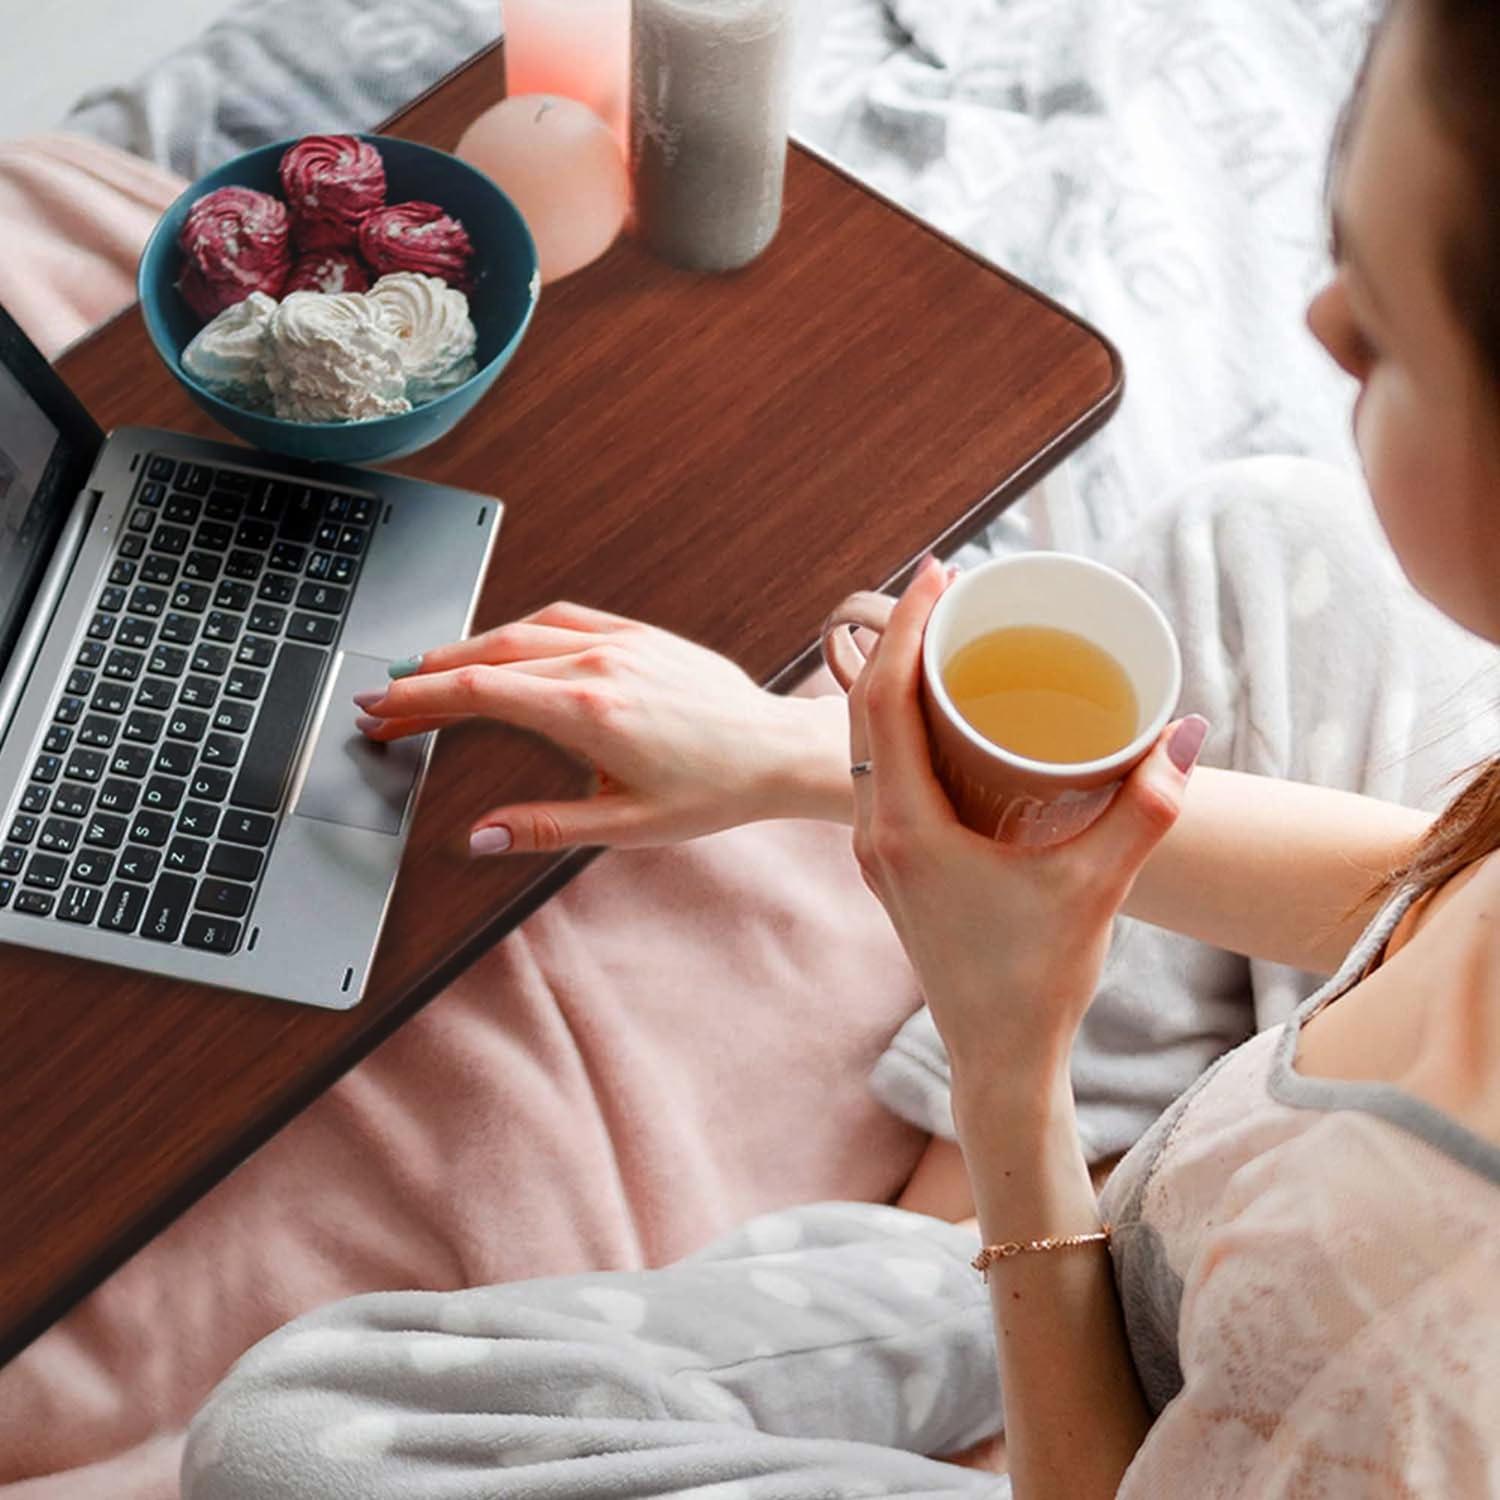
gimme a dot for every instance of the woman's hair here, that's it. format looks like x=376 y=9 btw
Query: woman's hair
x=1461 y=74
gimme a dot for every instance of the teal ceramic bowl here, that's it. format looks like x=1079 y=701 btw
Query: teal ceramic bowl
x=506 y=285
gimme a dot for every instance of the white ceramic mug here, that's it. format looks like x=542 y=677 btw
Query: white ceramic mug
x=996 y=792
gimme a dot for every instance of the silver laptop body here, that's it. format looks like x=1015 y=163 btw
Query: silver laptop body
x=279 y=882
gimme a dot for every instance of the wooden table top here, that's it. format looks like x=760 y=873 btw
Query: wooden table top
x=726 y=457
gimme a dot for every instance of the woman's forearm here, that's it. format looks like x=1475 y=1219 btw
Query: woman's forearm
x=1074 y=1411
x=1274 y=869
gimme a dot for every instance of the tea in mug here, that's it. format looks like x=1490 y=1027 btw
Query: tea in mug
x=1043 y=693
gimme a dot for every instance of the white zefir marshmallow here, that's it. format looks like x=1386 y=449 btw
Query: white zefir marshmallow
x=431 y=320
x=333 y=359
x=228 y=354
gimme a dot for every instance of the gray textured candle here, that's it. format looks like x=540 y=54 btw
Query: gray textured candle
x=710 y=97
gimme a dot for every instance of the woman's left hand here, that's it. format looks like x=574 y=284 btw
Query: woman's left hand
x=1007 y=942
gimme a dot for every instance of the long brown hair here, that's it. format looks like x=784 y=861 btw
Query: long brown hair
x=1461 y=71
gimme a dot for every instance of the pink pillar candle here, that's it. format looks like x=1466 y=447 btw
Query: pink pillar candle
x=562 y=167
x=577 y=48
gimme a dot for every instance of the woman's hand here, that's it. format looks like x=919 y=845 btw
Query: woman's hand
x=681 y=740
x=1006 y=942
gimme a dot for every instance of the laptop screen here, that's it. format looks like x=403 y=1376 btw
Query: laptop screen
x=47 y=448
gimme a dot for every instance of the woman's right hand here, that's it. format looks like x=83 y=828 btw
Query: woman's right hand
x=682 y=741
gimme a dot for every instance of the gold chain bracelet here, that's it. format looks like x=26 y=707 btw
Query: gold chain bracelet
x=991 y=1253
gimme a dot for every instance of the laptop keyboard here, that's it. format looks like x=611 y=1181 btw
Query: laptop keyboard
x=153 y=802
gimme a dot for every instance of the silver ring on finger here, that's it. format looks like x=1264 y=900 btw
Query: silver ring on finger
x=861 y=768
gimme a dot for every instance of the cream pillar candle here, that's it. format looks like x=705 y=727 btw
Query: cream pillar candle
x=711 y=86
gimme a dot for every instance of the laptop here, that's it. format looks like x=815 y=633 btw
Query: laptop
x=182 y=626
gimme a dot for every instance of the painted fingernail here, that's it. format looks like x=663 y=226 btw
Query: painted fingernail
x=489 y=841
x=1187 y=742
x=405 y=667
x=369 y=699
x=367 y=725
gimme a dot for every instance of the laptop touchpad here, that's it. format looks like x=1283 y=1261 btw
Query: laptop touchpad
x=351 y=780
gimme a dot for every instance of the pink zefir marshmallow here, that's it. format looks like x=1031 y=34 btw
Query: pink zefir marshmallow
x=331 y=182
x=236 y=241
x=328 y=271
x=417 y=236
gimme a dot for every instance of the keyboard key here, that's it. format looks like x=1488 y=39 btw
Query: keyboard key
x=255 y=651
x=168 y=908
x=212 y=659
x=266 y=503
x=158 y=569
x=247 y=828
x=287 y=558
x=352 y=540
x=255 y=535
x=79 y=682
x=238 y=482
x=203 y=567
x=123 y=666
x=139 y=863
x=223 y=898
x=175 y=758
x=69 y=709
x=231 y=594
x=130 y=760
x=156 y=693
x=98 y=731
x=222 y=507
x=209 y=784
x=322 y=598
x=93 y=866
x=173 y=540
x=80 y=903
x=105 y=831
x=318 y=630
x=72 y=800
x=101 y=627
x=220 y=626
x=112 y=600
x=199 y=692
x=12 y=857
x=34 y=799
x=34 y=904
x=342 y=571
x=243 y=683
x=189 y=724
x=193 y=596
x=57 y=738
x=184 y=509
x=132 y=545
x=241 y=564
x=361 y=510
x=266 y=619
x=147 y=601
x=110 y=698
x=179 y=629
x=59 y=836
x=300 y=519
x=234 y=717
x=134 y=634
x=144 y=728
x=48 y=871
x=7 y=890
x=23 y=828
x=277 y=588
x=278 y=730
x=186 y=856
x=198 y=820
x=118 y=796
x=88 y=765
x=215 y=536
x=167 y=661
x=327 y=536
x=47 y=768
x=195 y=478
x=221 y=750
x=235 y=863
x=123 y=907
x=164 y=793
x=161 y=467
x=152 y=495
x=141 y=520
x=122 y=572
x=215 y=934
x=151 y=828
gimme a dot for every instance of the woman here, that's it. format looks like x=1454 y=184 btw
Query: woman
x=1304 y=1295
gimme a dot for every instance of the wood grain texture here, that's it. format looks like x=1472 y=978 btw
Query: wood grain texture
x=724 y=456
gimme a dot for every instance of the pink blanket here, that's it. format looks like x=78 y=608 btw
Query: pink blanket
x=679 y=1040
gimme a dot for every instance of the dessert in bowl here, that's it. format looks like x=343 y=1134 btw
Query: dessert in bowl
x=339 y=299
